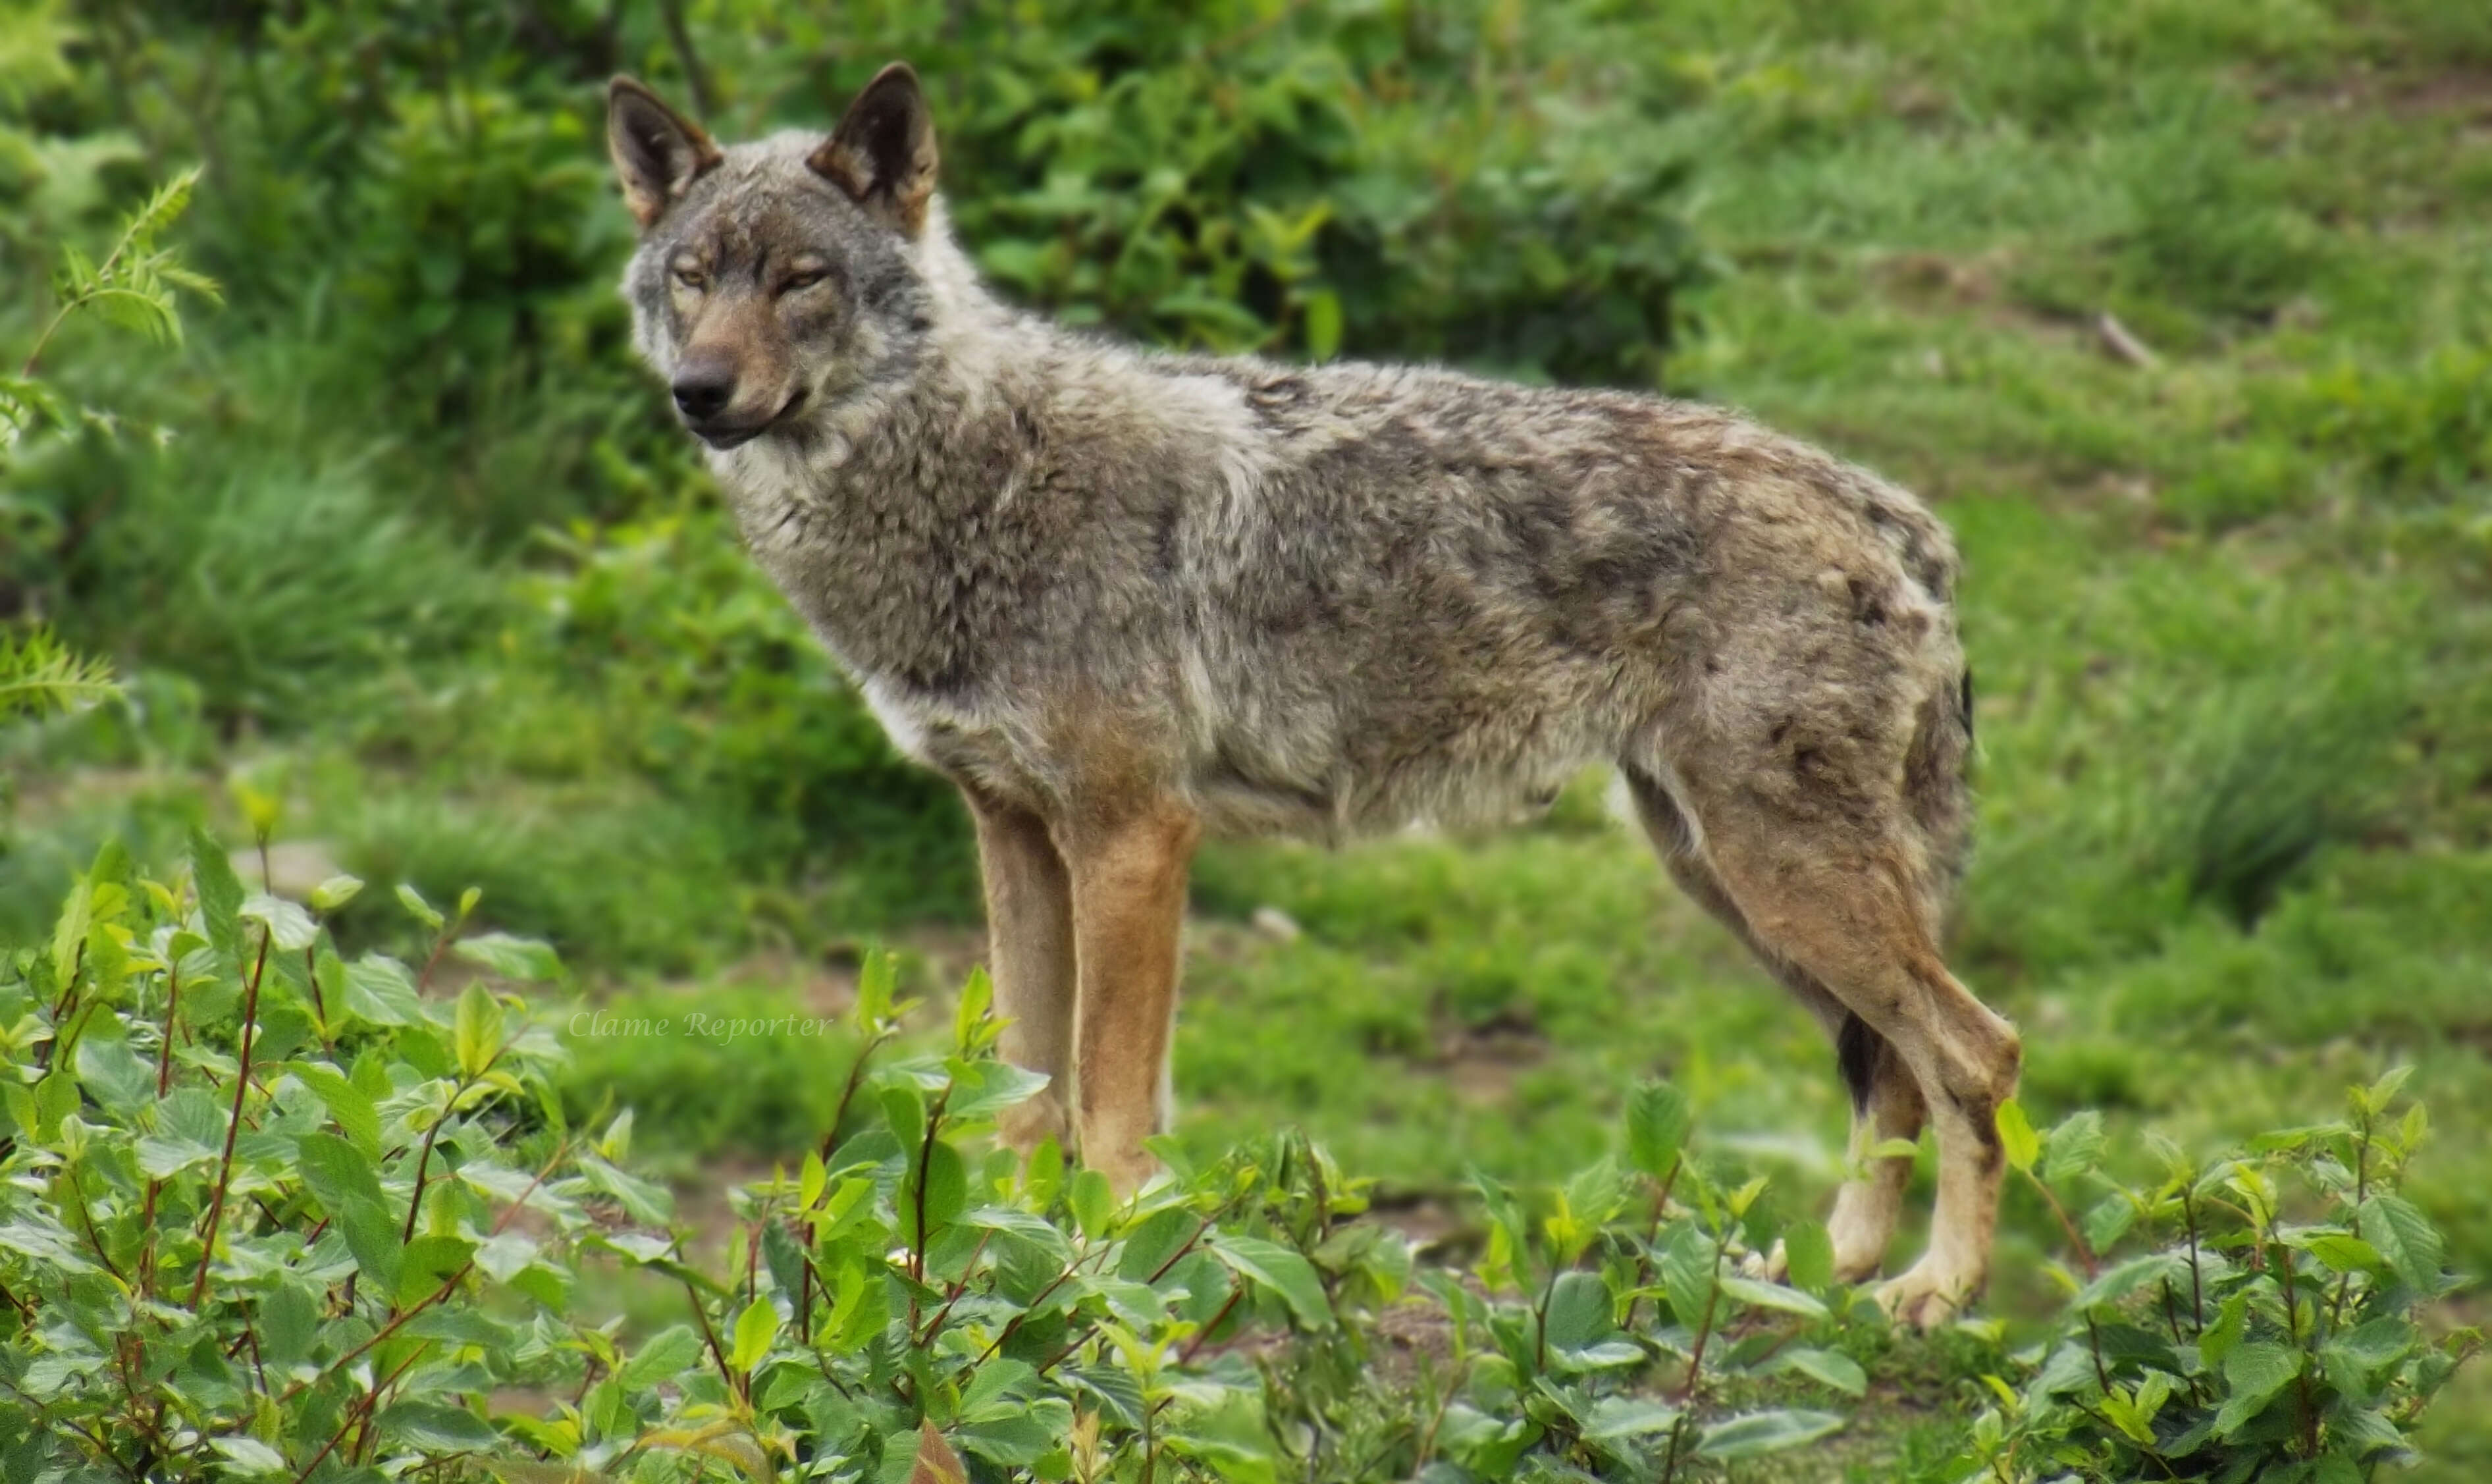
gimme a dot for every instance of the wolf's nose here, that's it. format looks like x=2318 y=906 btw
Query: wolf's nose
x=705 y=396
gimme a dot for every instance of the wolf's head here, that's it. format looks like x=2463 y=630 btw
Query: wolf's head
x=782 y=275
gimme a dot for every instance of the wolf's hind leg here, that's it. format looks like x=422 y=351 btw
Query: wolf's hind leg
x=1030 y=945
x=1885 y=1098
x=1128 y=916
x=1844 y=910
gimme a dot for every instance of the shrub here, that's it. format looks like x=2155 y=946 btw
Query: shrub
x=2269 y=1330
x=267 y=1213
x=1441 y=183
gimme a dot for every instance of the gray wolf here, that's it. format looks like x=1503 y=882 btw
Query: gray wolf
x=1122 y=599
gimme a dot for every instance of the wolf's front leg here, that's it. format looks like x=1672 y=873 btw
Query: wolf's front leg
x=1029 y=944
x=1129 y=878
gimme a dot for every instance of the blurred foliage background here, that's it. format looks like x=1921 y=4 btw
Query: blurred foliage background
x=2181 y=313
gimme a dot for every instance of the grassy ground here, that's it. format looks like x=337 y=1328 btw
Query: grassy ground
x=2184 y=315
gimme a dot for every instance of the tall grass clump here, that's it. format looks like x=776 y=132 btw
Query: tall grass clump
x=278 y=586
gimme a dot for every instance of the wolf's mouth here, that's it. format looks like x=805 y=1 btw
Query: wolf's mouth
x=722 y=436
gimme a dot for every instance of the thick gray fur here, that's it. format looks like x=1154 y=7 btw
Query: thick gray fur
x=1332 y=598
x=1095 y=584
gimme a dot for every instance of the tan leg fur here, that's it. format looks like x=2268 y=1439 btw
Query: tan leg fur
x=1129 y=880
x=1029 y=946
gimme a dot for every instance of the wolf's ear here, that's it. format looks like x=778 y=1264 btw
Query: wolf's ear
x=882 y=154
x=657 y=151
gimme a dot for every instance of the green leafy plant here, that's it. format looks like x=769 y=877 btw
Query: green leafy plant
x=135 y=286
x=2269 y=1329
x=265 y=1212
x=256 y=1195
x=38 y=676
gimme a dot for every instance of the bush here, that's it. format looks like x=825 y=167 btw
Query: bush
x=2270 y=1330
x=266 y=1213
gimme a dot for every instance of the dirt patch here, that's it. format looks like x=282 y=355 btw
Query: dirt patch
x=1481 y=1063
x=2464 y=91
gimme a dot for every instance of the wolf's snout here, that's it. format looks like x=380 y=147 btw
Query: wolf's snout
x=703 y=393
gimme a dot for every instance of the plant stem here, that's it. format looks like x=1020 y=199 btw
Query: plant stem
x=423 y=1158
x=847 y=1095
x=447 y=1284
x=2196 y=1292
x=2076 y=1238
x=233 y=1125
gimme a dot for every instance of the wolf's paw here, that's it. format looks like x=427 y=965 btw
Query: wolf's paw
x=1025 y=1126
x=1126 y=1174
x=1925 y=1297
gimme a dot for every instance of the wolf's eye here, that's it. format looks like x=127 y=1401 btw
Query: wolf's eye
x=806 y=278
x=691 y=278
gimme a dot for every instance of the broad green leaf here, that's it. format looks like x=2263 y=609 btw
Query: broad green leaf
x=995 y=1087
x=2109 y=1219
x=1280 y=1270
x=976 y=994
x=876 y=978
x=2405 y=1239
x=2255 y=1372
x=2377 y=1343
x=525 y=960
x=336 y=892
x=755 y=1328
x=1657 y=1123
x=2223 y=1336
x=422 y=910
x=1021 y=1226
x=643 y=1200
x=2377 y=1096
x=289 y=928
x=1001 y=1386
x=113 y=1074
x=1808 y=1257
x=2016 y=1136
x=946 y=1192
x=2074 y=1147
x=347 y=1103
x=665 y=1357
x=904 y=1111
x=435 y=1428
x=344 y=1182
x=38 y=1236
x=1094 y=1204
x=1831 y=1367
x=2119 y=1282
x=1765 y=1432
x=2345 y=1254
x=1580 y=1311
x=478 y=1029
x=1617 y=1417
x=1772 y=1296
x=1687 y=1269
x=250 y=1458
x=380 y=991
x=429 y=1260
x=504 y=1256
x=221 y=898
x=77 y=917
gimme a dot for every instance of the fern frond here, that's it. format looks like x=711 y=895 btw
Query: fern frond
x=39 y=676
